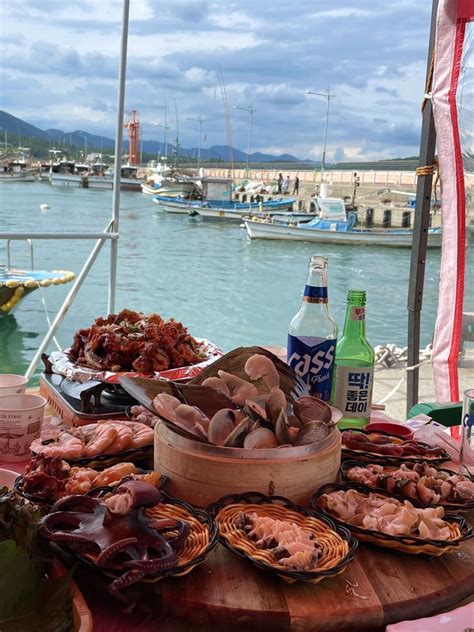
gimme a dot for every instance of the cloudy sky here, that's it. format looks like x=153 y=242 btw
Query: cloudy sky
x=59 y=66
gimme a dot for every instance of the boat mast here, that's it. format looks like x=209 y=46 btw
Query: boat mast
x=118 y=153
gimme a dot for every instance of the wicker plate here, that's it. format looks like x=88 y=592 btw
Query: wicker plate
x=338 y=546
x=203 y=537
x=449 y=506
x=365 y=456
x=460 y=529
x=98 y=492
x=102 y=461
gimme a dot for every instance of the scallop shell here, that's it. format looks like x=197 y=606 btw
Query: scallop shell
x=221 y=426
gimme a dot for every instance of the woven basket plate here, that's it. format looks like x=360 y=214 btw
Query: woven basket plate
x=465 y=505
x=460 y=530
x=337 y=545
x=367 y=456
x=202 y=538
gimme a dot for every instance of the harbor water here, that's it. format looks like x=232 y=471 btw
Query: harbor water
x=208 y=275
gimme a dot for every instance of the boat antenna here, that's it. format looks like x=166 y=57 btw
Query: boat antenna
x=228 y=122
x=177 y=134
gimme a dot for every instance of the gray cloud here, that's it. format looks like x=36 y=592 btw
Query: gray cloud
x=371 y=54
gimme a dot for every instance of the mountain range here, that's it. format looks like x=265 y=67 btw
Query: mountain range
x=80 y=138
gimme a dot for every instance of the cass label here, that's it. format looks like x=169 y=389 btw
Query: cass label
x=312 y=359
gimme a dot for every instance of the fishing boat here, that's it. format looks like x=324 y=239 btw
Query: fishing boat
x=217 y=203
x=171 y=187
x=334 y=226
x=16 y=171
x=129 y=180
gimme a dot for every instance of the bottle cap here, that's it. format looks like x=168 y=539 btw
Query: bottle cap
x=317 y=262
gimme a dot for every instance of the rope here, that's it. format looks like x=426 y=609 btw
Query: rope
x=430 y=170
x=401 y=381
x=48 y=320
x=429 y=82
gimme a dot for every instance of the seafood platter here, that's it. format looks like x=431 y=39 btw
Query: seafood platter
x=130 y=343
x=275 y=534
x=428 y=484
x=243 y=456
x=381 y=519
x=382 y=447
x=245 y=422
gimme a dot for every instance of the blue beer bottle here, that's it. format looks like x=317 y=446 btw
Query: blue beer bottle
x=312 y=333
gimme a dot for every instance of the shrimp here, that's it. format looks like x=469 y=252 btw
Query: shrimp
x=142 y=435
x=113 y=474
x=123 y=439
x=98 y=441
x=65 y=445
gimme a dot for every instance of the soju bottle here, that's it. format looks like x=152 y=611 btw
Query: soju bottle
x=354 y=366
x=312 y=333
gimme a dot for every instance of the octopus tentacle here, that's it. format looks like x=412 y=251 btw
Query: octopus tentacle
x=127 y=579
x=113 y=549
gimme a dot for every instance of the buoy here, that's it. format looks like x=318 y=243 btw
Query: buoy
x=44 y=207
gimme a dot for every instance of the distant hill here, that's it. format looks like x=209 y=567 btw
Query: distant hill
x=82 y=139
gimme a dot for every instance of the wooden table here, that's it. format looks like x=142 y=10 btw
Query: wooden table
x=226 y=593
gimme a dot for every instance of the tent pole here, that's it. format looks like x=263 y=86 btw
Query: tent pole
x=118 y=154
x=420 y=231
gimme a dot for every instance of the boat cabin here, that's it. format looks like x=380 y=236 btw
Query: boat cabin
x=218 y=189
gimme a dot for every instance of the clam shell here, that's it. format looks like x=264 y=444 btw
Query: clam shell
x=237 y=435
x=261 y=438
x=281 y=428
x=255 y=410
x=310 y=408
x=221 y=426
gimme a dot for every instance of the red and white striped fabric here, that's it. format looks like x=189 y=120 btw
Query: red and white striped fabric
x=452 y=18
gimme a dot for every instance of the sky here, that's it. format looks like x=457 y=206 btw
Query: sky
x=59 y=69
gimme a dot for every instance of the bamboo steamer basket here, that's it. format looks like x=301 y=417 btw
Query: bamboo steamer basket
x=201 y=474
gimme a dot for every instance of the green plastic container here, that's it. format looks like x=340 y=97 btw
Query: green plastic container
x=445 y=414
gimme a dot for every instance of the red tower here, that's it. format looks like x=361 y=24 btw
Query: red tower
x=133 y=126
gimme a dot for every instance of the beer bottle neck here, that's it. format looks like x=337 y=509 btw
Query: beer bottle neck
x=316 y=288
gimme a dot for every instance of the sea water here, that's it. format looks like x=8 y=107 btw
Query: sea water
x=208 y=275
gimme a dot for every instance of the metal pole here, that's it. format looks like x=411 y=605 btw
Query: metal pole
x=118 y=154
x=67 y=304
x=200 y=141
x=251 y=111
x=420 y=233
x=323 y=162
x=166 y=132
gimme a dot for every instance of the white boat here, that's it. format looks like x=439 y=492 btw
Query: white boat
x=170 y=187
x=16 y=171
x=217 y=203
x=334 y=227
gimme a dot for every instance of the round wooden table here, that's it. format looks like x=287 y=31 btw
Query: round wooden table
x=226 y=593
x=378 y=588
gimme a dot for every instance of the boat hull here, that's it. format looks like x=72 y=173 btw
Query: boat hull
x=233 y=213
x=66 y=180
x=393 y=239
x=17 y=177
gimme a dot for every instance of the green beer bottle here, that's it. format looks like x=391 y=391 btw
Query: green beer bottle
x=354 y=366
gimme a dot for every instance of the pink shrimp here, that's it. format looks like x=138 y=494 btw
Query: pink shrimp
x=123 y=439
x=65 y=445
x=99 y=440
x=142 y=435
